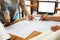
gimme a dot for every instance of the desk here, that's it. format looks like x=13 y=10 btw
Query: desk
x=13 y=37
x=29 y=27
x=33 y=34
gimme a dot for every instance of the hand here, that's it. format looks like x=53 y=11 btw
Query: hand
x=43 y=17
x=30 y=17
x=55 y=28
x=7 y=24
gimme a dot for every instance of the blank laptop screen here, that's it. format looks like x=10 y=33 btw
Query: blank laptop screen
x=48 y=7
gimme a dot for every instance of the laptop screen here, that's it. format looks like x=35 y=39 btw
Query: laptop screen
x=47 y=7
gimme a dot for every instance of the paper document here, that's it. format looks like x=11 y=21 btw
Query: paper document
x=21 y=29
x=25 y=28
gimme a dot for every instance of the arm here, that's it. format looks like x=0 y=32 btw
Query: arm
x=54 y=18
x=33 y=6
x=5 y=12
x=6 y=17
x=30 y=17
x=23 y=6
x=57 y=18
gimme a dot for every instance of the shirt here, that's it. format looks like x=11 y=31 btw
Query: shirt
x=9 y=6
x=3 y=33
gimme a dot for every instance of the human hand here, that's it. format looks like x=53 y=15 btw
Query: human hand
x=43 y=17
x=55 y=28
x=30 y=17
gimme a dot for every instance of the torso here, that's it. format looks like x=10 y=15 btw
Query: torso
x=11 y=7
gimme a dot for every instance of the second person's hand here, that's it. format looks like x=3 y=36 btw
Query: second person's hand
x=30 y=17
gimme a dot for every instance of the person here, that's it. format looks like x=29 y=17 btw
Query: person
x=53 y=18
x=3 y=34
x=10 y=10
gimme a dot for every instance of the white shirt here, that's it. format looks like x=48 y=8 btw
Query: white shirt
x=3 y=34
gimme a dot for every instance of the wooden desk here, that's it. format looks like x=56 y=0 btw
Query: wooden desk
x=40 y=26
x=13 y=37
x=33 y=34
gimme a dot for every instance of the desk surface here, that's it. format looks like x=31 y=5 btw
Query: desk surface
x=33 y=34
x=25 y=28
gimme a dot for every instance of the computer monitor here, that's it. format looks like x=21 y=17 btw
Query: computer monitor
x=46 y=7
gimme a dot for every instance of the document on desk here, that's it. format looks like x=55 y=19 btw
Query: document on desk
x=21 y=29
x=43 y=26
x=25 y=28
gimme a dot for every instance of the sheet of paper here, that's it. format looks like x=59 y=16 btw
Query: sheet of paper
x=43 y=26
x=21 y=29
x=25 y=28
x=43 y=7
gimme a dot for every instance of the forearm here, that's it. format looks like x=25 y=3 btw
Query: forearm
x=25 y=10
x=7 y=17
x=33 y=6
x=57 y=18
x=23 y=6
x=30 y=17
